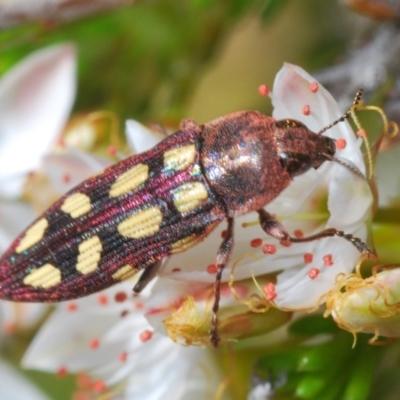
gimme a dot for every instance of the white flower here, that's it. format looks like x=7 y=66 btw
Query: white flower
x=107 y=335
x=89 y=334
x=368 y=305
x=36 y=98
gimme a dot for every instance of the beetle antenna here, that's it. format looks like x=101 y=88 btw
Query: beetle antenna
x=347 y=115
x=352 y=168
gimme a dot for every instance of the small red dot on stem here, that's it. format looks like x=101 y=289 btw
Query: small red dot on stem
x=298 y=233
x=94 y=344
x=306 y=110
x=263 y=90
x=66 y=178
x=341 y=144
x=120 y=297
x=139 y=305
x=146 y=335
x=361 y=133
x=61 y=372
x=314 y=87
x=99 y=386
x=102 y=299
x=328 y=261
x=313 y=273
x=269 y=291
x=8 y=328
x=72 y=306
x=308 y=258
x=112 y=150
x=256 y=242
x=269 y=249
x=212 y=269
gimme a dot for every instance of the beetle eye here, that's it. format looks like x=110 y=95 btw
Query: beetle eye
x=295 y=163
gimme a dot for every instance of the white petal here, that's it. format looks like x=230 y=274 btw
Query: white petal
x=36 y=97
x=67 y=170
x=350 y=200
x=179 y=375
x=140 y=138
x=154 y=369
x=297 y=290
x=65 y=341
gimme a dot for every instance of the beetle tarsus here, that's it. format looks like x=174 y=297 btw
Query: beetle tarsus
x=357 y=242
x=147 y=275
x=223 y=255
x=274 y=228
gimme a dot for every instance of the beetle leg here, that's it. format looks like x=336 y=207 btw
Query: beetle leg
x=274 y=228
x=147 y=275
x=222 y=259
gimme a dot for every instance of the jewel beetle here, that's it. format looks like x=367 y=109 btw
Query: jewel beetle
x=149 y=206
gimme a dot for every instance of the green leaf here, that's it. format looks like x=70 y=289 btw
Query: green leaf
x=362 y=372
x=272 y=8
x=311 y=325
x=311 y=385
x=326 y=355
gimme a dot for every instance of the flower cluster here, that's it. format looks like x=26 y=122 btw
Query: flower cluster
x=118 y=337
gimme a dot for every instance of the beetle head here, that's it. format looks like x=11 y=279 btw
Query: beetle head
x=299 y=149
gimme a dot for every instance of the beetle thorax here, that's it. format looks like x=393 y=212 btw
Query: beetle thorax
x=240 y=161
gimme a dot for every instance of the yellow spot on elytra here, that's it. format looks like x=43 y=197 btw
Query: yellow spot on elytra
x=45 y=277
x=180 y=158
x=130 y=180
x=76 y=205
x=89 y=255
x=125 y=272
x=141 y=224
x=189 y=196
x=185 y=243
x=33 y=235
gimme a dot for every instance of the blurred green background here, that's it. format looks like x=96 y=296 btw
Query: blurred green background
x=163 y=60
x=199 y=58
